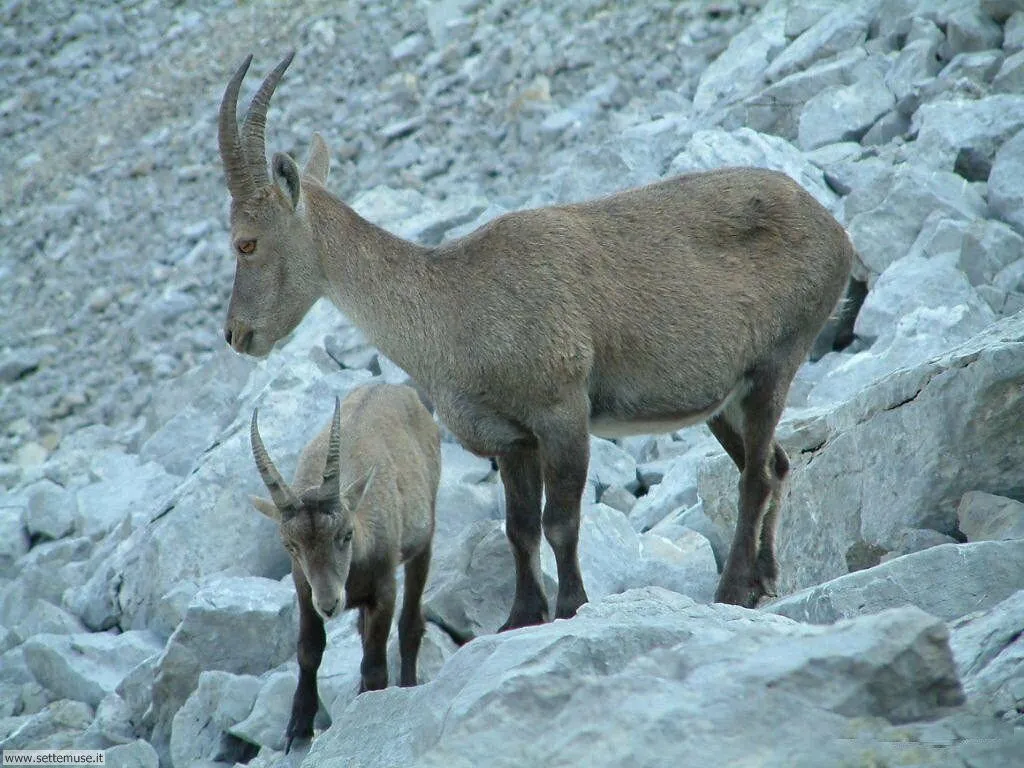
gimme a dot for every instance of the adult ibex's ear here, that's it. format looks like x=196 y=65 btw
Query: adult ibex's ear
x=286 y=174
x=356 y=492
x=318 y=164
x=268 y=508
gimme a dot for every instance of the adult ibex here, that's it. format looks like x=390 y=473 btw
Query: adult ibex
x=361 y=504
x=692 y=299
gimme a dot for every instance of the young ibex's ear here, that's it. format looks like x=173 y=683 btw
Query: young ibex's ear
x=286 y=174
x=318 y=164
x=268 y=508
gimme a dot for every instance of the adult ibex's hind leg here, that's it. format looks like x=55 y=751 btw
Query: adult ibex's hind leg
x=520 y=474
x=748 y=575
x=565 y=453
x=766 y=567
x=410 y=622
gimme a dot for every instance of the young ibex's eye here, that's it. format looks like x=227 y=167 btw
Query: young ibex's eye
x=246 y=247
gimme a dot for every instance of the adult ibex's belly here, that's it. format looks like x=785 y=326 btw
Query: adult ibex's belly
x=612 y=420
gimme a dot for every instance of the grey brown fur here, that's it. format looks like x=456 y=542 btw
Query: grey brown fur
x=692 y=299
x=361 y=504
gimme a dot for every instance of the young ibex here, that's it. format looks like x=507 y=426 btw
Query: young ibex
x=692 y=299
x=361 y=503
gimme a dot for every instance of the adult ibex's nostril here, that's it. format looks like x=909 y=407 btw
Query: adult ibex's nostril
x=227 y=336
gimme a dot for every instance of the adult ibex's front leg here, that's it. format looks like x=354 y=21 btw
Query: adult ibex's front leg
x=312 y=640
x=520 y=474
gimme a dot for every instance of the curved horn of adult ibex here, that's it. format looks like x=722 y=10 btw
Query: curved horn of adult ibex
x=254 y=149
x=332 y=469
x=282 y=494
x=240 y=182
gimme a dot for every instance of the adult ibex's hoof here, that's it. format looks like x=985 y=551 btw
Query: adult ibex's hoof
x=743 y=592
x=569 y=603
x=766 y=574
x=525 y=617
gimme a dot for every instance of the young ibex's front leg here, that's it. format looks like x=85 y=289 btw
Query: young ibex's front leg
x=376 y=625
x=312 y=640
x=410 y=623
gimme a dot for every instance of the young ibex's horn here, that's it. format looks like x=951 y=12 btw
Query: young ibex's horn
x=332 y=469
x=282 y=494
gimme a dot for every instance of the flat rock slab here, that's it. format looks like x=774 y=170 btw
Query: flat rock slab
x=86 y=666
x=948 y=581
x=649 y=677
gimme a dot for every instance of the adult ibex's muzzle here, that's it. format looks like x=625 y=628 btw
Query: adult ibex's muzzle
x=238 y=336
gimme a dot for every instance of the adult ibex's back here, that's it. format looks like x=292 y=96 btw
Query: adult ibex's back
x=695 y=298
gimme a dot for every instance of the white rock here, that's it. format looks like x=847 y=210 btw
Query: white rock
x=138 y=754
x=86 y=666
x=989 y=652
x=1005 y=187
x=14 y=539
x=199 y=730
x=237 y=625
x=266 y=722
x=50 y=510
x=948 y=581
x=885 y=231
x=987 y=517
x=845 y=27
x=843 y=113
x=623 y=683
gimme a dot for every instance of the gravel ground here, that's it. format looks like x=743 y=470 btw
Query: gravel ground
x=114 y=273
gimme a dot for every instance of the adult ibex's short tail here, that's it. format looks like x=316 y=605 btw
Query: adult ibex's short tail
x=692 y=299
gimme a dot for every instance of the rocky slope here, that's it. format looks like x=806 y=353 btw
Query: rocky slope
x=145 y=607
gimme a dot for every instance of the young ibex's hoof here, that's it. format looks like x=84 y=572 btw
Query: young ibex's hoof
x=300 y=728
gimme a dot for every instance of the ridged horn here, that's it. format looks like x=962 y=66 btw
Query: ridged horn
x=332 y=468
x=236 y=173
x=254 y=148
x=282 y=494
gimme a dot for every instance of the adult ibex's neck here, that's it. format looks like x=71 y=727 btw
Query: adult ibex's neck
x=376 y=278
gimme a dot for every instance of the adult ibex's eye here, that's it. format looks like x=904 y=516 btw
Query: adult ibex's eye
x=246 y=247
x=347 y=537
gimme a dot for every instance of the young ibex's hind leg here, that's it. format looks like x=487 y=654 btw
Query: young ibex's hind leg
x=565 y=453
x=520 y=474
x=751 y=570
x=410 y=622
